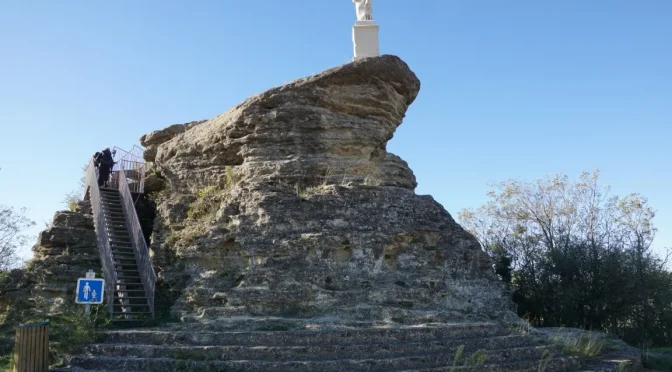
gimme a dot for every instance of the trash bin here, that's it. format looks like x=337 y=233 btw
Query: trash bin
x=31 y=351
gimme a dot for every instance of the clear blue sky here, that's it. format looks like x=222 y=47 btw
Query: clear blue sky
x=521 y=88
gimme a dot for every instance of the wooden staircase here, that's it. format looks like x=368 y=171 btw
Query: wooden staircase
x=130 y=301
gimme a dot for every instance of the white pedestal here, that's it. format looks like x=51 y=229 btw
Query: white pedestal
x=365 y=39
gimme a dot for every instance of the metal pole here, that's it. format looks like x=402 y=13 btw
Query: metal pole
x=89 y=275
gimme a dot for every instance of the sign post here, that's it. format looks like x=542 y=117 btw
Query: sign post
x=90 y=290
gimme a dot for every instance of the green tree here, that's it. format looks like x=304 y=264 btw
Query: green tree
x=577 y=256
x=70 y=200
x=12 y=225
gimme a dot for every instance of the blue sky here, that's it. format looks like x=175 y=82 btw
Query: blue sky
x=521 y=88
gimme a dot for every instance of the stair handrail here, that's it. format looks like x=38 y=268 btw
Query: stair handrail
x=145 y=267
x=133 y=164
x=104 y=249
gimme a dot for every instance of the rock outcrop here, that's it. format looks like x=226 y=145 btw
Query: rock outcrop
x=150 y=140
x=64 y=252
x=289 y=205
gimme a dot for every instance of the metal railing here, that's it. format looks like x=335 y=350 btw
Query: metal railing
x=135 y=154
x=145 y=267
x=109 y=272
x=133 y=165
x=134 y=173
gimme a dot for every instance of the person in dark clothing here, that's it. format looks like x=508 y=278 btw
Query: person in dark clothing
x=104 y=162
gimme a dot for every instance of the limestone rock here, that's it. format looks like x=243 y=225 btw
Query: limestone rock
x=158 y=137
x=65 y=251
x=84 y=207
x=289 y=205
x=334 y=125
x=153 y=183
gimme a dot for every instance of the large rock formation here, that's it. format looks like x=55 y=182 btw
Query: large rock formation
x=64 y=252
x=289 y=205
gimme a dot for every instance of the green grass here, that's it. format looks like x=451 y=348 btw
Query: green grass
x=545 y=359
x=68 y=331
x=6 y=362
x=473 y=363
x=585 y=345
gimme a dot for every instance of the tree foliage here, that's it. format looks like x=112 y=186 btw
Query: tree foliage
x=73 y=197
x=12 y=224
x=577 y=256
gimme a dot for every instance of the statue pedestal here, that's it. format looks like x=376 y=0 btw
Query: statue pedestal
x=365 y=39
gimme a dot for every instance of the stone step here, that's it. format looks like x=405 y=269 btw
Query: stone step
x=531 y=355
x=399 y=315
x=250 y=323
x=304 y=338
x=557 y=364
x=308 y=352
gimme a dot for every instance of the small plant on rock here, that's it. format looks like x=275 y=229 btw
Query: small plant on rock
x=456 y=358
x=545 y=359
x=476 y=360
x=584 y=344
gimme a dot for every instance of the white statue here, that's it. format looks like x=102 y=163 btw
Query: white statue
x=364 y=10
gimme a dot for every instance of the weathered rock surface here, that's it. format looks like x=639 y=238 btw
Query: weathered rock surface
x=289 y=205
x=431 y=347
x=335 y=125
x=63 y=253
x=157 y=137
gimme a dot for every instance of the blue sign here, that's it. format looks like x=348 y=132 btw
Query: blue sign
x=90 y=291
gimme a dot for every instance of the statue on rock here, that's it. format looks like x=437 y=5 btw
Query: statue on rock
x=364 y=10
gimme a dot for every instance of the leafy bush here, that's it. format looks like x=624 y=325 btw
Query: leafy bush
x=578 y=257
